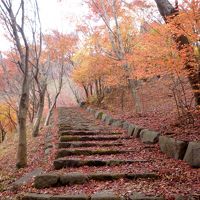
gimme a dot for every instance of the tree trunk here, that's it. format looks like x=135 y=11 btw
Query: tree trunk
x=22 y=116
x=97 y=87
x=86 y=91
x=100 y=87
x=91 y=89
x=36 y=125
x=134 y=93
x=46 y=123
x=75 y=93
x=2 y=133
x=122 y=100
x=60 y=84
x=193 y=70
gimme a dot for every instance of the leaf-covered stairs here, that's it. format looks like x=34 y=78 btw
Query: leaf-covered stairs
x=88 y=153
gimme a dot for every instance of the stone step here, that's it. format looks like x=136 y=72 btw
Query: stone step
x=101 y=195
x=88 y=138
x=56 y=180
x=63 y=163
x=72 y=128
x=81 y=144
x=83 y=133
x=76 y=152
x=35 y=196
x=140 y=196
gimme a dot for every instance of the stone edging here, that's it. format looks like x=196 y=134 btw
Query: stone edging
x=177 y=149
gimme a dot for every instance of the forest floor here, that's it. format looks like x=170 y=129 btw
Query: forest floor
x=158 y=109
x=175 y=176
x=8 y=171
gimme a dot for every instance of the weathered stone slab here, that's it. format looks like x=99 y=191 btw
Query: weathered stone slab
x=192 y=155
x=70 y=197
x=131 y=129
x=63 y=163
x=173 y=148
x=106 y=176
x=73 y=178
x=149 y=137
x=34 y=196
x=105 y=195
x=28 y=177
x=113 y=176
x=85 y=144
x=188 y=197
x=65 y=127
x=141 y=175
x=137 y=130
x=46 y=181
x=76 y=133
x=139 y=196
x=88 y=133
x=125 y=125
x=65 y=152
x=117 y=123
x=109 y=120
x=87 y=138
x=58 y=164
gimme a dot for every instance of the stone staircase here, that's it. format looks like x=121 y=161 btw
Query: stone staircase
x=95 y=148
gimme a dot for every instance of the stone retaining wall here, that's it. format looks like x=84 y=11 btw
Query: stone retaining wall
x=187 y=151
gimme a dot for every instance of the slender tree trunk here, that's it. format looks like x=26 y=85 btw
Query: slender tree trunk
x=32 y=101
x=46 y=123
x=134 y=93
x=22 y=117
x=100 y=88
x=2 y=133
x=48 y=99
x=74 y=91
x=97 y=88
x=86 y=91
x=122 y=99
x=60 y=84
x=91 y=90
x=1 y=137
x=38 y=118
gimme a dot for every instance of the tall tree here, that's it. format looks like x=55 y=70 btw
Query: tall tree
x=191 y=62
x=59 y=50
x=110 y=12
x=15 y=19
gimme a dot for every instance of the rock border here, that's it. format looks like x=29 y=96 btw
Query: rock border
x=182 y=150
x=101 y=195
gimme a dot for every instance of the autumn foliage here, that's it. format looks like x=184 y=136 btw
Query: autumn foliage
x=148 y=50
